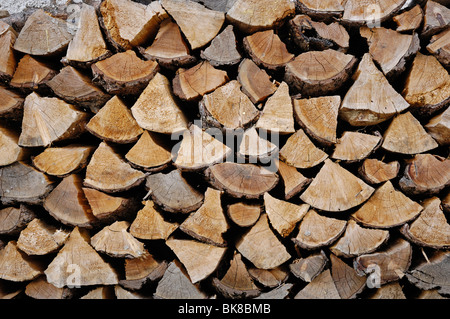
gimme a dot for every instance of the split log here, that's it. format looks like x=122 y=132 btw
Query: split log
x=317 y=231
x=372 y=12
x=427 y=87
x=280 y=292
x=11 y=151
x=208 y=223
x=108 y=172
x=430 y=229
x=114 y=123
x=255 y=82
x=31 y=74
x=387 y=208
x=355 y=146
x=321 y=287
x=237 y=282
x=20 y=182
x=150 y=152
x=319 y=72
x=321 y=9
x=67 y=203
x=405 y=135
x=425 y=174
x=12 y=105
x=14 y=219
x=243 y=214
x=440 y=47
x=17 y=266
x=391 y=291
x=436 y=18
x=241 y=180
x=173 y=193
x=267 y=50
x=371 y=99
x=222 y=51
x=200 y=259
x=160 y=115
x=43 y=35
x=47 y=120
x=410 y=20
x=228 y=108
x=344 y=189
x=387 y=265
x=208 y=22
x=40 y=238
x=439 y=127
x=39 y=288
x=309 y=267
x=305 y=157
x=63 y=161
x=78 y=264
x=128 y=24
x=256 y=148
x=256 y=15
x=319 y=117
x=77 y=88
x=270 y=278
x=150 y=224
x=374 y=171
x=261 y=247
x=293 y=181
x=390 y=49
x=87 y=45
x=432 y=273
x=283 y=216
x=115 y=241
x=8 y=60
x=191 y=84
x=358 y=240
x=124 y=73
x=348 y=283
x=169 y=48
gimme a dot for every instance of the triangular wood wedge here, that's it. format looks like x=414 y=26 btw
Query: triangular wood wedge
x=207 y=22
x=17 y=266
x=387 y=208
x=344 y=189
x=355 y=146
x=222 y=50
x=200 y=259
x=12 y=104
x=372 y=12
x=191 y=84
x=348 y=282
x=440 y=47
x=374 y=171
x=199 y=149
x=150 y=224
x=173 y=192
x=309 y=267
x=278 y=114
x=390 y=291
x=436 y=18
x=321 y=287
x=260 y=246
x=43 y=35
x=62 y=161
x=228 y=107
x=358 y=240
x=405 y=135
x=128 y=24
x=78 y=264
x=242 y=180
x=14 y=219
x=11 y=151
x=236 y=283
x=114 y=123
x=427 y=87
x=425 y=174
x=39 y=288
x=256 y=148
x=319 y=72
x=283 y=216
x=160 y=114
x=40 y=238
x=115 y=241
x=31 y=74
x=88 y=45
x=108 y=172
x=150 y=152
x=409 y=20
x=293 y=181
x=267 y=50
x=256 y=15
x=316 y=231
x=124 y=73
x=8 y=60
x=371 y=99
x=67 y=203
x=431 y=228
x=208 y=223
x=305 y=156
x=439 y=127
x=319 y=117
x=270 y=278
x=47 y=120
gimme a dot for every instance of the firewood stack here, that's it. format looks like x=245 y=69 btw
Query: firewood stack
x=227 y=149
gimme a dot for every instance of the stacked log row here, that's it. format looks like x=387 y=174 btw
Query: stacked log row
x=226 y=149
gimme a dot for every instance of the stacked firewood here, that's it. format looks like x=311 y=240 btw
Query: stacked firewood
x=226 y=149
